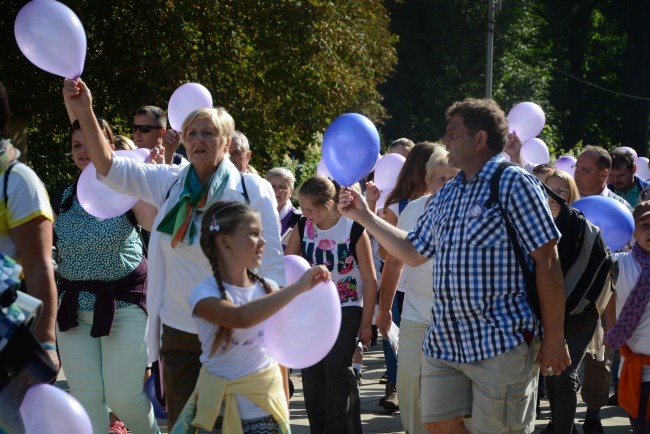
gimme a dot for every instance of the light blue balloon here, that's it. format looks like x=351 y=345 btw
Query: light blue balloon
x=350 y=148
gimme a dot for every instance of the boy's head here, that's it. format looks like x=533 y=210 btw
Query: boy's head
x=641 y=216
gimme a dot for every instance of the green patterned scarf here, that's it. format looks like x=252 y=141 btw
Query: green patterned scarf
x=179 y=221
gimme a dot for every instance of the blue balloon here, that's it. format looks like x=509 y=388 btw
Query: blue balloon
x=614 y=220
x=150 y=390
x=350 y=148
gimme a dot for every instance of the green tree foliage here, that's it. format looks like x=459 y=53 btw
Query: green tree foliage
x=572 y=58
x=284 y=69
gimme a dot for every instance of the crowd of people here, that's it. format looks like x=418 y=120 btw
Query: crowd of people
x=182 y=283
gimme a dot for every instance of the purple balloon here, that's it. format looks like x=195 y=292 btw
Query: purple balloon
x=305 y=330
x=630 y=150
x=566 y=163
x=321 y=170
x=642 y=169
x=48 y=409
x=527 y=120
x=611 y=216
x=535 y=151
x=294 y=267
x=51 y=36
x=150 y=390
x=97 y=198
x=387 y=171
x=350 y=148
x=185 y=99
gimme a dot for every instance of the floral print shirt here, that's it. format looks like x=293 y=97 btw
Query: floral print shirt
x=331 y=247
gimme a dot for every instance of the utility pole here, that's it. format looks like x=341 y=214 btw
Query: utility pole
x=490 y=49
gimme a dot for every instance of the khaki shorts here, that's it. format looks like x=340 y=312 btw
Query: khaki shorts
x=499 y=393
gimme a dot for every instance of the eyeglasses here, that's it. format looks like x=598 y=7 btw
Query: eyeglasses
x=75 y=125
x=584 y=170
x=144 y=129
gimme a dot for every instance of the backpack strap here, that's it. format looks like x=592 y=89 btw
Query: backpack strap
x=402 y=204
x=245 y=192
x=355 y=233
x=6 y=177
x=301 y=231
x=529 y=276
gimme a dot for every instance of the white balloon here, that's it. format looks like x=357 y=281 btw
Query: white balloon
x=185 y=99
x=642 y=169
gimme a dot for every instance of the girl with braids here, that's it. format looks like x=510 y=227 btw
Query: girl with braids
x=325 y=237
x=240 y=389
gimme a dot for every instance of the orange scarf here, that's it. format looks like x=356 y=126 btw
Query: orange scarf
x=629 y=383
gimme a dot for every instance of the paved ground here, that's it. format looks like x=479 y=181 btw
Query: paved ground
x=376 y=420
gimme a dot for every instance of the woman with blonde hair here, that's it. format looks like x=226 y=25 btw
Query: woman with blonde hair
x=182 y=195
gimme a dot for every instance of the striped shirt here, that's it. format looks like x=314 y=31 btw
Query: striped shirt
x=479 y=296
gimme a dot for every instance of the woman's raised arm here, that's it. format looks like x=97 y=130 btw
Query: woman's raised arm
x=79 y=103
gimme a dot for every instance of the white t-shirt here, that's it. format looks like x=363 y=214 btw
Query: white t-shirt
x=394 y=207
x=26 y=200
x=246 y=353
x=628 y=272
x=418 y=294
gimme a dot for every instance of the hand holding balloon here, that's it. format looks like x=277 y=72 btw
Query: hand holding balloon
x=372 y=194
x=77 y=97
x=352 y=205
x=513 y=148
x=312 y=277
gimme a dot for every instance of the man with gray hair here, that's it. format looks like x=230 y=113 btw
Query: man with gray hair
x=240 y=153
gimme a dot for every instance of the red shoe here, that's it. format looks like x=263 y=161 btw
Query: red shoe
x=117 y=427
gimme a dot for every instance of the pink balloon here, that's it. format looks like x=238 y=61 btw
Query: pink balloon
x=305 y=330
x=382 y=199
x=566 y=163
x=535 y=151
x=322 y=170
x=185 y=99
x=630 y=150
x=51 y=36
x=527 y=120
x=97 y=198
x=387 y=170
x=642 y=169
x=294 y=267
x=48 y=409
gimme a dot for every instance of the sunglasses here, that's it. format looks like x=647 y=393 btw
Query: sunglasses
x=145 y=128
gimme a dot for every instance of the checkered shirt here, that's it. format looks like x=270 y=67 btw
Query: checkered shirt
x=479 y=296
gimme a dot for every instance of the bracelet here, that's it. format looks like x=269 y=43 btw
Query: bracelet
x=48 y=346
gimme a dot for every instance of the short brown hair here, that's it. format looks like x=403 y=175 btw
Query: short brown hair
x=482 y=114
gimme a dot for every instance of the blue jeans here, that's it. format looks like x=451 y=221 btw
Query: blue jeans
x=562 y=389
x=389 y=354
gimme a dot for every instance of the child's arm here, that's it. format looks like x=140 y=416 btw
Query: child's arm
x=293 y=245
x=369 y=278
x=226 y=314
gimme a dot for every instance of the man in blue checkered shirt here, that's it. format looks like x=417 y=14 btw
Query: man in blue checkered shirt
x=481 y=350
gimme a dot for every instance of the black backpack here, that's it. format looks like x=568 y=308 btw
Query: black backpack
x=587 y=264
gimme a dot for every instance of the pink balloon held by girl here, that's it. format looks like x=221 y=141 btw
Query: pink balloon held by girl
x=229 y=308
